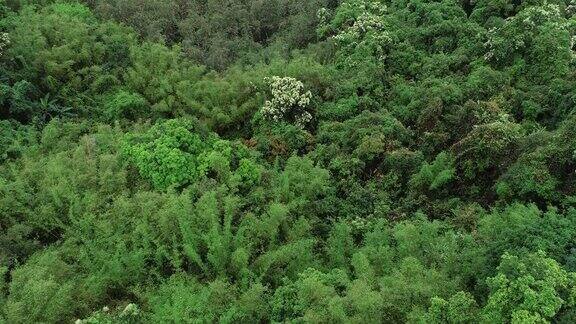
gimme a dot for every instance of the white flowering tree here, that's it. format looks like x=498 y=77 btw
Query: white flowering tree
x=4 y=42
x=363 y=36
x=540 y=38
x=359 y=29
x=289 y=101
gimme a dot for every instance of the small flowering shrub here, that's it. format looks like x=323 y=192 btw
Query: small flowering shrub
x=289 y=102
x=122 y=315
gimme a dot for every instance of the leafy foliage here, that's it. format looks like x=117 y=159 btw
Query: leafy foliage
x=528 y=290
x=350 y=161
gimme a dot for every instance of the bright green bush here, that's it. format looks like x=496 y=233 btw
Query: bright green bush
x=167 y=154
x=528 y=290
x=172 y=154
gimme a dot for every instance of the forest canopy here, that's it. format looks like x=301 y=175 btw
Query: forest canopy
x=287 y=161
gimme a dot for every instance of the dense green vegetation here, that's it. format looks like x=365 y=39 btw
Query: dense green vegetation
x=306 y=161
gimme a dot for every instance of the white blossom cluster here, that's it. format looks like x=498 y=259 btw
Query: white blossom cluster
x=4 y=42
x=363 y=25
x=516 y=31
x=130 y=310
x=288 y=101
x=373 y=6
x=368 y=30
x=571 y=8
x=539 y=15
x=323 y=16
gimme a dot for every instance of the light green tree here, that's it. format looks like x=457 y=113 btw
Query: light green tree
x=529 y=289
